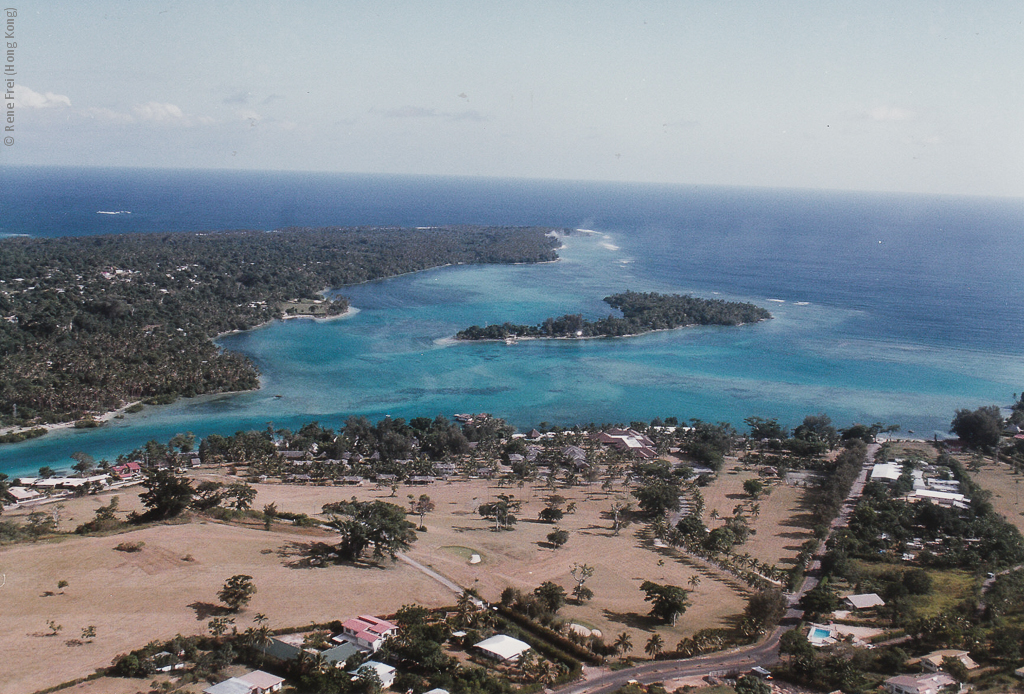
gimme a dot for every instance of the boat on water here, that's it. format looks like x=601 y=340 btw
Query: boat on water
x=511 y=340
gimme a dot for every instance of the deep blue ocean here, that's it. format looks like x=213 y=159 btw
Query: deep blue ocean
x=891 y=308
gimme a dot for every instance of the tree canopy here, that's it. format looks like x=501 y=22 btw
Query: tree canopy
x=237 y=592
x=375 y=525
x=980 y=428
x=641 y=313
x=668 y=602
x=95 y=322
x=167 y=494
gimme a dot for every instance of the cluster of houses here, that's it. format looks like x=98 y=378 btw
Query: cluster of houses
x=29 y=490
x=927 y=484
x=363 y=636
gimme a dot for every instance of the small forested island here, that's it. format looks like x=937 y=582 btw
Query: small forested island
x=89 y=324
x=641 y=313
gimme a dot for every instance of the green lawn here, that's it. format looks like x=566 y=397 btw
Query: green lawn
x=463 y=552
x=949 y=587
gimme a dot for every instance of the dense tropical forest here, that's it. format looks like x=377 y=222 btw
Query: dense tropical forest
x=92 y=323
x=641 y=313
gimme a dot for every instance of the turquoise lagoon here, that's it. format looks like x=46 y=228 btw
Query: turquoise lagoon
x=890 y=308
x=394 y=355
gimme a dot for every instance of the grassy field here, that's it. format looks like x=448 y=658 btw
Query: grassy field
x=1007 y=491
x=781 y=525
x=170 y=586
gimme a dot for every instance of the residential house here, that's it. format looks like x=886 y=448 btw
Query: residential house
x=502 y=647
x=886 y=472
x=919 y=684
x=444 y=469
x=255 y=682
x=366 y=631
x=284 y=648
x=132 y=469
x=23 y=494
x=386 y=673
x=627 y=441
x=340 y=654
x=864 y=601
x=933 y=661
x=945 y=499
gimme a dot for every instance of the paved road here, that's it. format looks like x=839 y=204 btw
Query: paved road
x=600 y=682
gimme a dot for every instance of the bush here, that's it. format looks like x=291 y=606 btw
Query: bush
x=130 y=546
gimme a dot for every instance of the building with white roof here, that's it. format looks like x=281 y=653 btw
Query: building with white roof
x=948 y=499
x=255 y=682
x=864 y=601
x=919 y=684
x=502 y=647
x=886 y=472
x=385 y=673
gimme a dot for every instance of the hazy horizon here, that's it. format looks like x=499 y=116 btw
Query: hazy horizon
x=916 y=97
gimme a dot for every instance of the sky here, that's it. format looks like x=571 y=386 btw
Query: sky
x=923 y=97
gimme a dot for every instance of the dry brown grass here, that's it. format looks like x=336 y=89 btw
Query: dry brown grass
x=138 y=597
x=1007 y=491
x=133 y=598
x=782 y=525
x=522 y=559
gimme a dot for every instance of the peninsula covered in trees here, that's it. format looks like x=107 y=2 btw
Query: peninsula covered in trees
x=90 y=324
x=641 y=313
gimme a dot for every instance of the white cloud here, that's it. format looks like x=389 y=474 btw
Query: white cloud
x=26 y=98
x=890 y=113
x=160 y=113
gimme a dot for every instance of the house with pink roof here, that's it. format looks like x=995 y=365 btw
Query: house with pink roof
x=366 y=631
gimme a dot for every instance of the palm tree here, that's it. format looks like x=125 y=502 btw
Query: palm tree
x=714 y=514
x=624 y=643
x=467 y=603
x=318 y=663
x=654 y=645
x=694 y=581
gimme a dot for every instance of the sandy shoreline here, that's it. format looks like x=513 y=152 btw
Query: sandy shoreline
x=105 y=417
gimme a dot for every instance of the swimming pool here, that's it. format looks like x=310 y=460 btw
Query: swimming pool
x=819 y=633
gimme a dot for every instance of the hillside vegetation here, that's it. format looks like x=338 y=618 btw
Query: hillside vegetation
x=90 y=323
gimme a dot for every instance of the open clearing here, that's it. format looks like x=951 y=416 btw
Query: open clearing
x=133 y=598
x=782 y=525
x=1007 y=493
